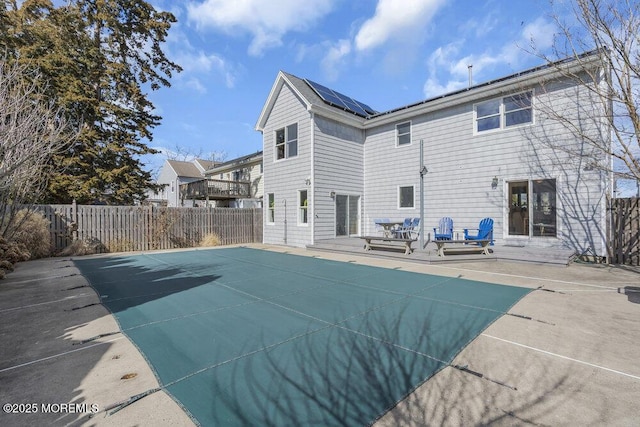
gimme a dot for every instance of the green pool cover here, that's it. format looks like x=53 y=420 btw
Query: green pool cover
x=242 y=336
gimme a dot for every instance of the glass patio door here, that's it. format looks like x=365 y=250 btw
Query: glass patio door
x=519 y=208
x=532 y=208
x=347 y=215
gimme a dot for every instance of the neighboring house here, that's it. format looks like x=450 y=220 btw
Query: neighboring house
x=173 y=174
x=236 y=183
x=332 y=164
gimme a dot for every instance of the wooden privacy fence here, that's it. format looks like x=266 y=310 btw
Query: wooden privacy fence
x=625 y=224
x=141 y=228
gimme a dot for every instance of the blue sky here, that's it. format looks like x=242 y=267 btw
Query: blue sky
x=385 y=53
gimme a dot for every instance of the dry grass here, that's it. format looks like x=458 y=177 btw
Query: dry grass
x=29 y=239
x=31 y=234
x=121 y=245
x=83 y=247
x=211 y=239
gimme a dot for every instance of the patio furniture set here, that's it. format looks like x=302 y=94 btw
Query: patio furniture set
x=407 y=232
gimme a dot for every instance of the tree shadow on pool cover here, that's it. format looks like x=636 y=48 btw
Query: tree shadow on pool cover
x=121 y=284
x=348 y=375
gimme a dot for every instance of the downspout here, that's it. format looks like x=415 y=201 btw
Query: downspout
x=284 y=204
x=423 y=172
x=312 y=192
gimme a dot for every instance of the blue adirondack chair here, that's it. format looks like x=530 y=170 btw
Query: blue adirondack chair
x=485 y=231
x=444 y=231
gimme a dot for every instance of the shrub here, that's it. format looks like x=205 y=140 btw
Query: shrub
x=4 y=266
x=211 y=239
x=10 y=253
x=29 y=232
x=121 y=245
x=84 y=247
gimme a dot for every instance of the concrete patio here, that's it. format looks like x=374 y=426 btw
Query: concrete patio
x=428 y=254
x=564 y=355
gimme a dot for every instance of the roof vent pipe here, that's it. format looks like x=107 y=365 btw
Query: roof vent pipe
x=470 y=75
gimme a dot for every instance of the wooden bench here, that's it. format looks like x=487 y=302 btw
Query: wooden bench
x=481 y=245
x=387 y=242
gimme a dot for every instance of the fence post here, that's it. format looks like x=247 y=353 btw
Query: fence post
x=74 y=219
x=152 y=228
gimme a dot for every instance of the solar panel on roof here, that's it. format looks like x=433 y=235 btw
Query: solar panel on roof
x=340 y=100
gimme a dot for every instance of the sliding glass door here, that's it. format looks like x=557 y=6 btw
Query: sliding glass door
x=347 y=215
x=532 y=208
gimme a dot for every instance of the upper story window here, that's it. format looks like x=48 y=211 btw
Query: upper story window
x=403 y=133
x=504 y=112
x=287 y=142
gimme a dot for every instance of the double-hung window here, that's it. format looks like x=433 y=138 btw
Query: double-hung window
x=517 y=109
x=504 y=112
x=287 y=142
x=403 y=133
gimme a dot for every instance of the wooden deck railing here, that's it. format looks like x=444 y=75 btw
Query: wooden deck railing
x=215 y=189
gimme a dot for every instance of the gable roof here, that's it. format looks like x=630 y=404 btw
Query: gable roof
x=314 y=103
x=310 y=99
x=185 y=169
x=254 y=158
x=206 y=164
x=499 y=86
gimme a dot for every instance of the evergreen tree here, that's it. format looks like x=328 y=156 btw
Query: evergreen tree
x=99 y=57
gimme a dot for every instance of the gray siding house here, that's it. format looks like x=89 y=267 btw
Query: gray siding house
x=172 y=175
x=332 y=165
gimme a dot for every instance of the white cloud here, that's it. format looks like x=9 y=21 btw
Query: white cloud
x=267 y=22
x=512 y=54
x=509 y=56
x=433 y=88
x=480 y=28
x=395 y=19
x=196 y=63
x=335 y=57
x=202 y=63
x=540 y=32
x=440 y=59
x=195 y=84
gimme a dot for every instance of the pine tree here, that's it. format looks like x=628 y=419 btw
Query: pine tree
x=99 y=57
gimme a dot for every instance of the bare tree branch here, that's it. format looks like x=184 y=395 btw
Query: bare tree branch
x=32 y=130
x=610 y=125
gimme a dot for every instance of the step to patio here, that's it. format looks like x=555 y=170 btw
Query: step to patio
x=428 y=254
x=551 y=256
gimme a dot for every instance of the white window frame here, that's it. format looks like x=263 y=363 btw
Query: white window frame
x=303 y=210
x=502 y=113
x=398 y=134
x=271 y=208
x=413 y=202
x=287 y=143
